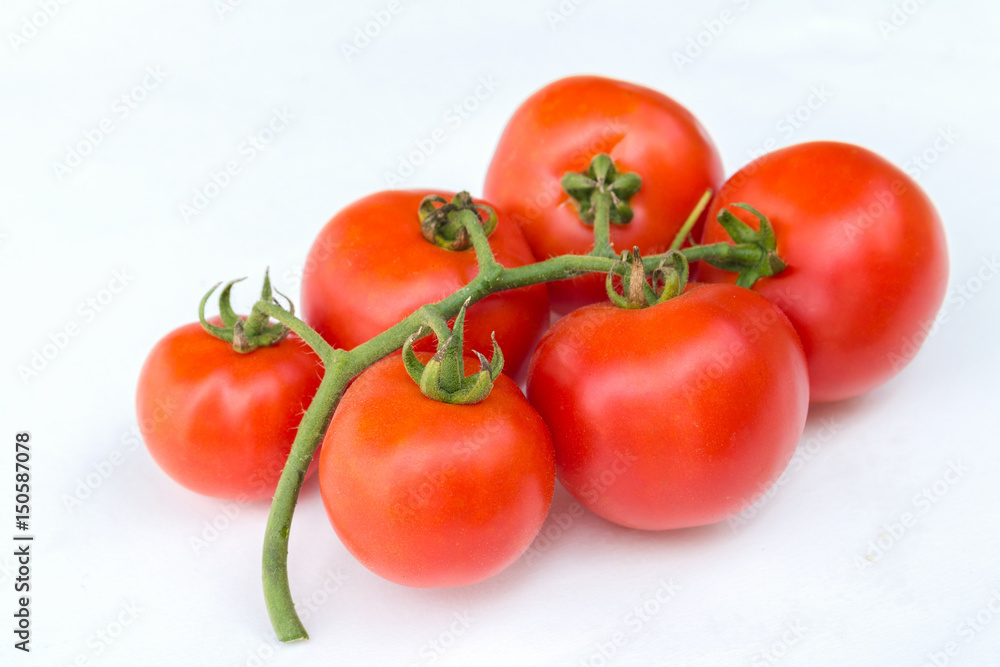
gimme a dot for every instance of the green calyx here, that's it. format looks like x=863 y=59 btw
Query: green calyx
x=768 y=263
x=441 y=221
x=253 y=332
x=602 y=185
x=443 y=377
x=668 y=280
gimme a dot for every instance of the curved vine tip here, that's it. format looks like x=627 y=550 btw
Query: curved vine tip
x=253 y=332
x=443 y=377
x=441 y=221
x=672 y=273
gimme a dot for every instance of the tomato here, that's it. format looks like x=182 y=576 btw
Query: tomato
x=425 y=493
x=370 y=267
x=559 y=129
x=674 y=415
x=221 y=423
x=867 y=263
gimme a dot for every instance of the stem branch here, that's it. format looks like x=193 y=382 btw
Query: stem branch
x=341 y=366
x=691 y=219
x=303 y=330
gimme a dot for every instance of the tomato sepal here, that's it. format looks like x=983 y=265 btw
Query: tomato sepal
x=602 y=177
x=664 y=282
x=246 y=335
x=443 y=377
x=442 y=222
x=768 y=264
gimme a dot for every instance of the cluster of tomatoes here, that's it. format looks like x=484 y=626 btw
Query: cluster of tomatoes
x=664 y=416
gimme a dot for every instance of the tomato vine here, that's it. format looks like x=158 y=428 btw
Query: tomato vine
x=752 y=256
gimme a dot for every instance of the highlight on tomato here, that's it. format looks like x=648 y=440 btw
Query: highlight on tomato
x=386 y=255
x=226 y=395
x=559 y=130
x=866 y=256
x=434 y=478
x=671 y=409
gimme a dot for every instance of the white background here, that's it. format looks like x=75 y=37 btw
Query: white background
x=794 y=563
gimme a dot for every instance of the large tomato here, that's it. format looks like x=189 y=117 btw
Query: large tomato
x=219 y=422
x=560 y=129
x=370 y=267
x=675 y=415
x=866 y=255
x=424 y=493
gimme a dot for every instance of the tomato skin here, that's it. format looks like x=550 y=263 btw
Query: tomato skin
x=560 y=129
x=221 y=423
x=427 y=494
x=861 y=291
x=675 y=415
x=370 y=267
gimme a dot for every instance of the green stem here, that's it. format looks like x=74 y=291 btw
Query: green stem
x=691 y=219
x=341 y=366
x=277 y=594
x=432 y=318
x=303 y=330
x=488 y=265
x=745 y=253
x=602 y=225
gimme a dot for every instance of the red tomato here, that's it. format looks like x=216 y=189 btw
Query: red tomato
x=428 y=494
x=370 y=267
x=219 y=422
x=675 y=415
x=560 y=129
x=866 y=255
